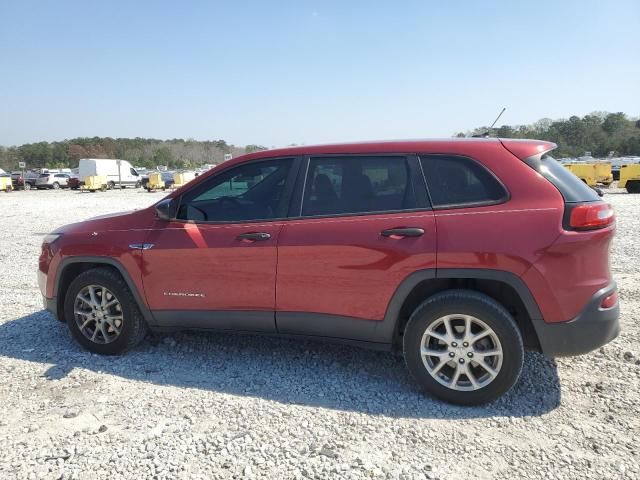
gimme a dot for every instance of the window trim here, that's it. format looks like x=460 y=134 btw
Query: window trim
x=412 y=161
x=289 y=187
x=452 y=206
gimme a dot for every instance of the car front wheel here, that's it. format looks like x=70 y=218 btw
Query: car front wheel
x=463 y=347
x=55 y=185
x=102 y=313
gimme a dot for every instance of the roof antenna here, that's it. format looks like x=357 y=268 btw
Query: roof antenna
x=486 y=134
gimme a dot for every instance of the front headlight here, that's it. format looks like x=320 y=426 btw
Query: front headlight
x=50 y=238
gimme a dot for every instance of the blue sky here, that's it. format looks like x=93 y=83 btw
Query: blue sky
x=277 y=73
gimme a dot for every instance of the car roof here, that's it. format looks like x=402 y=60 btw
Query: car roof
x=445 y=145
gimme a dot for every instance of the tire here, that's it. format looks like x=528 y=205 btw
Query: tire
x=132 y=328
x=27 y=186
x=111 y=185
x=138 y=185
x=55 y=186
x=481 y=310
x=633 y=186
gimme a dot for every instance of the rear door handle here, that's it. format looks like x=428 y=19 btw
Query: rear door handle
x=403 y=232
x=254 y=236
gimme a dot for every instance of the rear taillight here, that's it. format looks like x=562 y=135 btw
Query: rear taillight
x=589 y=216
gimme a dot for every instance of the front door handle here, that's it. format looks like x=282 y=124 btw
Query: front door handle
x=403 y=232
x=254 y=236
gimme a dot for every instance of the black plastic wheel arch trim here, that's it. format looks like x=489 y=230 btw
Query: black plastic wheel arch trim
x=146 y=313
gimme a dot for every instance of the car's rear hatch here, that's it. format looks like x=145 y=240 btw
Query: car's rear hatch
x=577 y=264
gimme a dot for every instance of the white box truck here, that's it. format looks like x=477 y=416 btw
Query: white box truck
x=117 y=172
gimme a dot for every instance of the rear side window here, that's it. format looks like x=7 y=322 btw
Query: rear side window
x=358 y=184
x=571 y=187
x=460 y=181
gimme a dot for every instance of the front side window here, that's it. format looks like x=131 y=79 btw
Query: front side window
x=455 y=181
x=358 y=184
x=253 y=191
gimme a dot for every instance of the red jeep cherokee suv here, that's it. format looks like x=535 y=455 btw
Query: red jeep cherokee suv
x=460 y=252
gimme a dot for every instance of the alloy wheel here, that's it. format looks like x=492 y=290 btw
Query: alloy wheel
x=98 y=314
x=461 y=352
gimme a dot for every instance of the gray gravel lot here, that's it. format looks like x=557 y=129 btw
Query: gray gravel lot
x=222 y=406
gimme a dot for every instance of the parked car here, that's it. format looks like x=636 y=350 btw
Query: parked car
x=117 y=172
x=459 y=253
x=74 y=181
x=27 y=182
x=52 y=180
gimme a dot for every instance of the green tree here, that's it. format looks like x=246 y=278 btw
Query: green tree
x=254 y=148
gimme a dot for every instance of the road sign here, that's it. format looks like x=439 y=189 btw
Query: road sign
x=22 y=164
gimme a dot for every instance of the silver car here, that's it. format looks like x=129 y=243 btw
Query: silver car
x=52 y=180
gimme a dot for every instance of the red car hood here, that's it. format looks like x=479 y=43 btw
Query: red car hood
x=129 y=220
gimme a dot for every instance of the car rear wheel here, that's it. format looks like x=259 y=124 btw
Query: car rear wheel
x=27 y=186
x=111 y=185
x=102 y=313
x=55 y=185
x=463 y=347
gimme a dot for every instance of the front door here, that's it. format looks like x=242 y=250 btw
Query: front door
x=214 y=266
x=364 y=226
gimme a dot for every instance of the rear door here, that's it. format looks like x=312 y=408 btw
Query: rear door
x=214 y=266
x=362 y=224
x=62 y=179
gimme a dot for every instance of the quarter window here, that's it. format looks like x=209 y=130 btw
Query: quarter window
x=343 y=185
x=253 y=191
x=454 y=180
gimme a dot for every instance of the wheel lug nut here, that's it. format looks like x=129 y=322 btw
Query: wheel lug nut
x=451 y=354
x=465 y=344
x=470 y=354
x=454 y=344
x=461 y=360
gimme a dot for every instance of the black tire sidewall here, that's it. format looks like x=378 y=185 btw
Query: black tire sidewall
x=633 y=187
x=131 y=315
x=483 y=308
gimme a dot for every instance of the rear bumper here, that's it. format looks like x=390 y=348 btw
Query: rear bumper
x=592 y=328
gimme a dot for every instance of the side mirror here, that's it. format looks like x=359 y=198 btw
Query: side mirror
x=166 y=209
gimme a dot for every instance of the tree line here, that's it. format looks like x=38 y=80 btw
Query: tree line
x=599 y=133
x=144 y=152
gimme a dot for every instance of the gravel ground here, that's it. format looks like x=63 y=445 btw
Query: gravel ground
x=222 y=406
